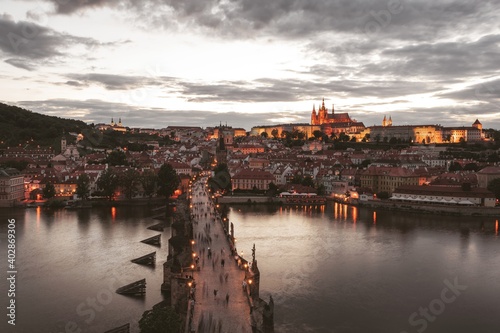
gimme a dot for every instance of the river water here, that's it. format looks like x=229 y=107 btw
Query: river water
x=344 y=269
x=70 y=262
x=333 y=269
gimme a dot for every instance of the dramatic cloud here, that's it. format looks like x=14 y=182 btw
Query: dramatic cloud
x=21 y=63
x=99 y=111
x=112 y=81
x=39 y=45
x=29 y=40
x=420 y=61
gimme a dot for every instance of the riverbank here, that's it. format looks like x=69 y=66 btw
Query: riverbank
x=250 y=200
x=422 y=208
x=91 y=203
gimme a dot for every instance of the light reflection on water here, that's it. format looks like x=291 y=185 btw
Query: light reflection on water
x=67 y=259
x=344 y=269
x=333 y=269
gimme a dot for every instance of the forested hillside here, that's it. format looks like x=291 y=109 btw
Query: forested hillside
x=19 y=125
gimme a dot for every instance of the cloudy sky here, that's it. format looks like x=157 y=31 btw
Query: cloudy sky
x=156 y=63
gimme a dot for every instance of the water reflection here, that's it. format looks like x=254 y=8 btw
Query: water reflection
x=327 y=276
x=68 y=256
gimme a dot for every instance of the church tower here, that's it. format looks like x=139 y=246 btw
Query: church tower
x=64 y=144
x=477 y=124
x=314 y=117
x=389 y=122
x=120 y=122
x=112 y=122
x=220 y=149
x=384 y=122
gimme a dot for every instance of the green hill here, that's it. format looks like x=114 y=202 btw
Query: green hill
x=18 y=125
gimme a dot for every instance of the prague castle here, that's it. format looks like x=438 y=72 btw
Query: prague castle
x=426 y=133
x=323 y=117
x=333 y=124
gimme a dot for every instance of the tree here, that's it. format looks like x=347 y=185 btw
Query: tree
x=455 y=166
x=383 y=195
x=321 y=190
x=318 y=134
x=264 y=134
x=365 y=163
x=160 y=319
x=49 y=191
x=108 y=183
x=19 y=165
x=83 y=186
x=221 y=179
x=297 y=179
x=274 y=133
x=168 y=180
x=129 y=181
x=149 y=181
x=393 y=141
x=493 y=157
x=117 y=157
x=308 y=181
x=343 y=137
x=273 y=189
x=494 y=186
x=471 y=167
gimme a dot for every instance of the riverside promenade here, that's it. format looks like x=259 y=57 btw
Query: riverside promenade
x=226 y=310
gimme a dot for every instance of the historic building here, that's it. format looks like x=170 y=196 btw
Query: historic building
x=277 y=130
x=323 y=117
x=444 y=195
x=222 y=143
x=228 y=132
x=486 y=175
x=11 y=187
x=335 y=123
x=112 y=126
x=248 y=179
x=425 y=133
x=387 y=179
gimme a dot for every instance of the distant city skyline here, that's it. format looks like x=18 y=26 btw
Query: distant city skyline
x=252 y=62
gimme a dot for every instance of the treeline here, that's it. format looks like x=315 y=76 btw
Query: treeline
x=18 y=125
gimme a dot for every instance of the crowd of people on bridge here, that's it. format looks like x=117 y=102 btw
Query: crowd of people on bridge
x=204 y=215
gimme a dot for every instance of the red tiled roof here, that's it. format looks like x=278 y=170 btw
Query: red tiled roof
x=253 y=174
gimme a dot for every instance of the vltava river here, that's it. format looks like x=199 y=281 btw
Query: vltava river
x=343 y=270
x=70 y=262
x=337 y=269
